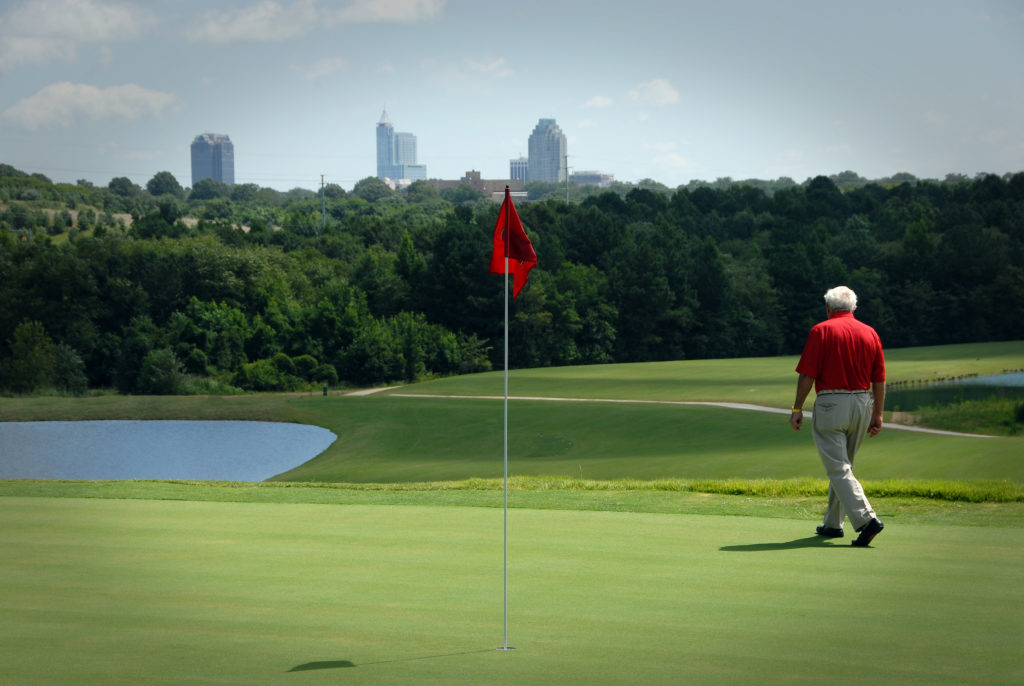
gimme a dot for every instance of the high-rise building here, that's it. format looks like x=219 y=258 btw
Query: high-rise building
x=213 y=157
x=519 y=168
x=405 y=149
x=385 y=146
x=591 y=178
x=547 y=153
x=396 y=153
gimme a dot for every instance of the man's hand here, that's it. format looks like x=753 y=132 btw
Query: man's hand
x=796 y=419
x=876 y=424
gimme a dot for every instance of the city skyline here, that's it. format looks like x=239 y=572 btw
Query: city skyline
x=98 y=89
x=396 y=153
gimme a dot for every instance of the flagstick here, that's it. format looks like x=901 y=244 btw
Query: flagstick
x=505 y=508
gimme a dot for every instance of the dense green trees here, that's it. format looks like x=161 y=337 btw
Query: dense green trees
x=161 y=291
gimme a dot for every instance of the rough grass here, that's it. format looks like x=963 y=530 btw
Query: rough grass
x=995 y=416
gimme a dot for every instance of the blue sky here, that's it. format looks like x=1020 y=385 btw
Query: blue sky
x=673 y=91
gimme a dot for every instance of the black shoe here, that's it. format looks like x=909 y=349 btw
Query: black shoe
x=868 y=533
x=829 y=532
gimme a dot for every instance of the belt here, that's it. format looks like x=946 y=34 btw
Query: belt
x=842 y=390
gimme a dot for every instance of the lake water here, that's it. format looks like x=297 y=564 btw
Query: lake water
x=190 y=450
x=910 y=398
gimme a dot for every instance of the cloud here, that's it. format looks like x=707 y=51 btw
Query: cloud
x=387 y=11
x=62 y=104
x=660 y=147
x=993 y=136
x=43 y=30
x=264 y=21
x=656 y=92
x=271 y=20
x=673 y=162
x=598 y=102
x=935 y=119
x=321 y=69
x=494 y=68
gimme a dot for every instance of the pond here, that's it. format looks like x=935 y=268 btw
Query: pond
x=190 y=450
x=913 y=397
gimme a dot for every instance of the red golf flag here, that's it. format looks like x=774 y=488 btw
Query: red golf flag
x=510 y=241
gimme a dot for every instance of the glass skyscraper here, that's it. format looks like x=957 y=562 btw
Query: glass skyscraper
x=547 y=153
x=396 y=153
x=213 y=157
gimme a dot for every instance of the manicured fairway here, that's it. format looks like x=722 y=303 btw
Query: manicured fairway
x=384 y=438
x=137 y=591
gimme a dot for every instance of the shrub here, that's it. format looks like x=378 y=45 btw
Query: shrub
x=265 y=375
x=326 y=373
x=161 y=373
x=283 y=363
x=69 y=371
x=305 y=367
x=31 y=364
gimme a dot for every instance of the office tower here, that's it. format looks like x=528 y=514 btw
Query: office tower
x=518 y=169
x=385 y=146
x=547 y=153
x=213 y=157
x=396 y=153
x=405 y=149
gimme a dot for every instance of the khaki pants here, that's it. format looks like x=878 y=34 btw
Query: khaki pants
x=840 y=421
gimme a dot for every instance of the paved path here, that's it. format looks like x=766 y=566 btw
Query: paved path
x=734 y=406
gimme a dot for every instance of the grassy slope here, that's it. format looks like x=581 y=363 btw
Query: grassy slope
x=423 y=439
x=411 y=439
x=388 y=438
x=768 y=381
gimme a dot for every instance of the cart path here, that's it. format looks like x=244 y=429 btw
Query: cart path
x=733 y=406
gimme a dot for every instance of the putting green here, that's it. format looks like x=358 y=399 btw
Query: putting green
x=137 y=591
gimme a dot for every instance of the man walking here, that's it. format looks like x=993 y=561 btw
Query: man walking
x=844 y=363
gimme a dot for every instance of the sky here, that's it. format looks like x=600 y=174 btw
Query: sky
x=673 y=91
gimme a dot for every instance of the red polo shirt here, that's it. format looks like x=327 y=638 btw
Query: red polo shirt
x=842 y=353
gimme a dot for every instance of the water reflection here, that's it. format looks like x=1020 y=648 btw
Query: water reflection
x=207 y=451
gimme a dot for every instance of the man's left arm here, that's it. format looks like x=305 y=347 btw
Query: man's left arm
x=878 y=391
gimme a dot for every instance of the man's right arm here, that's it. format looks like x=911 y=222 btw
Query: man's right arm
x=804 y=384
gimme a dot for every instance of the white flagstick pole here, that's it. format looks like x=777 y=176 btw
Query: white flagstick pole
x=505 y=507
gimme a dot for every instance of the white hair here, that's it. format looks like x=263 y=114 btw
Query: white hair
x=841 y=299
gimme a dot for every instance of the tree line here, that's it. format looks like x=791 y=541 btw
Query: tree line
x=217 y=288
